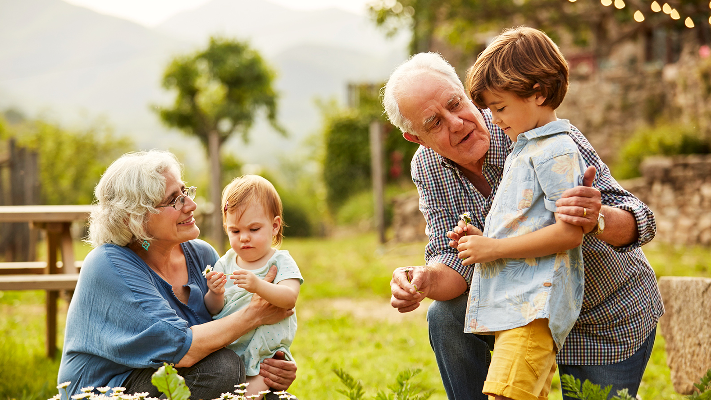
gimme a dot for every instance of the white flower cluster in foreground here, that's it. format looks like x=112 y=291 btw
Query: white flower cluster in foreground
x=117 y=393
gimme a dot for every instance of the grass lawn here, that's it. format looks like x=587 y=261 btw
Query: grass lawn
x=345 y=321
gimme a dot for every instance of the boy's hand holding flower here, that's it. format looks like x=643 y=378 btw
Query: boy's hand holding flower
x=474 y=247
x=463 y=228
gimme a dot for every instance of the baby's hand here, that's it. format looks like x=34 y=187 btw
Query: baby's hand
x=246 y=280
x=216 y=282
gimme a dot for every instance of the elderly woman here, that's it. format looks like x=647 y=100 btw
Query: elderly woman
x=139 y=299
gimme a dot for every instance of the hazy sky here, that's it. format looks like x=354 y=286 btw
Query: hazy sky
x=153 y=12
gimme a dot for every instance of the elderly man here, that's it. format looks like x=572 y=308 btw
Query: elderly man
x=457 y=169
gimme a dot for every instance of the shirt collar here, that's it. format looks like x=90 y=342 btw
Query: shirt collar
x=551 y=128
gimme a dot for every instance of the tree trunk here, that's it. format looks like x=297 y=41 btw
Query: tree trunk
x=216 y=234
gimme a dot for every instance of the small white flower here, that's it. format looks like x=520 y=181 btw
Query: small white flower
x=207 y=270
x=63 y=385
x=141 y=395
x=119 y=390
x=55 y=397
x=264 y=392
x=87 y=389
x=103 y=389
x=81 y=396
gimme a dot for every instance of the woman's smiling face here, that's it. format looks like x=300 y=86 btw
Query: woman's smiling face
x=170 y=225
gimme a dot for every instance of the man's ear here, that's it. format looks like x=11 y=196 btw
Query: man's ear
x=412 y=138
x=540 y=97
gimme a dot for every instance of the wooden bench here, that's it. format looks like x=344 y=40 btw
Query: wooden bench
x=52 y=275
x=39 y=282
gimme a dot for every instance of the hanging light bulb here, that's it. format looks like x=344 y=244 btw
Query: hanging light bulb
x=638 y=16
x=688 y=22
x=606 y=2
x=619 y=4
x=656 y=7
x=675 y=14
x=666 y=8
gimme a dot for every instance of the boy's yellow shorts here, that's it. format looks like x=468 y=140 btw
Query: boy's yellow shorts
x=523 y=363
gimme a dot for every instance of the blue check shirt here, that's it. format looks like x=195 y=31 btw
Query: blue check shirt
x=621 y=302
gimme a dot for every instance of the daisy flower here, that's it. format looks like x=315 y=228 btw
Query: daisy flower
x=207 y=270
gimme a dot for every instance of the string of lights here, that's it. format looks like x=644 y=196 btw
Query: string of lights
x=655 y=7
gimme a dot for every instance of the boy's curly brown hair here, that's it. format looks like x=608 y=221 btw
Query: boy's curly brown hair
x=517 y=60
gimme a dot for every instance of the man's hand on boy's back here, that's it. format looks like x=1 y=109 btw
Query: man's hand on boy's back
x=581 y=205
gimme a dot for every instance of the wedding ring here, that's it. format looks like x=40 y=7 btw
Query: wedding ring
x=585 y=212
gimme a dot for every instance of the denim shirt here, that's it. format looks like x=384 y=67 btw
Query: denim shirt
x=124 y=316
x=509 y=293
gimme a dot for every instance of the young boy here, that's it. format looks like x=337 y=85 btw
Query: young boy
x=527 y=287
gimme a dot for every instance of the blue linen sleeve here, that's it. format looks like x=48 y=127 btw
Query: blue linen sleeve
x=125 y=305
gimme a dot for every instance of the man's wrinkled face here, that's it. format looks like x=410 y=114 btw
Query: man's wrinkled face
x=443 y=118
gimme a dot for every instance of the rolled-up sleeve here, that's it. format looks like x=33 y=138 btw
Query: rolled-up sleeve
x=613 y=195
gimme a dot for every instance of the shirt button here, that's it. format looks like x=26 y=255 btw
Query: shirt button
x=547 y=284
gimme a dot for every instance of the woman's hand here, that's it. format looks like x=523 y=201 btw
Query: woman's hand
x=263 y=312
x=278 y=373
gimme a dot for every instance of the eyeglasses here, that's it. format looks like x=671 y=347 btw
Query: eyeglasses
x=179 y=201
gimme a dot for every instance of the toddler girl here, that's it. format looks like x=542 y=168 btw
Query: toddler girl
x=252 y=218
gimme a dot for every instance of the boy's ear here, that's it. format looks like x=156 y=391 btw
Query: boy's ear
x=540 y=96
x=413 y=138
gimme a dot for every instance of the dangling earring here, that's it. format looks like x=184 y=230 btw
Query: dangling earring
x=145 y=244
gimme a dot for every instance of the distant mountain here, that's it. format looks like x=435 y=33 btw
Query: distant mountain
x=74 y=61
x=272 y=28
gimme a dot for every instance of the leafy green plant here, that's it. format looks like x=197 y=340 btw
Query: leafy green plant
x=704 y=387
x=402 y=390
x=167 y=380
x=590 y=391
x=664 y=139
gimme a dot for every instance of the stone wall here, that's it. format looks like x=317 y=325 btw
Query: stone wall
x=678 y=191
x=684 y=326
x=408 y=221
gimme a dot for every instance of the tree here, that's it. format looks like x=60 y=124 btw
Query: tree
x=220 y=90
x=464 y=25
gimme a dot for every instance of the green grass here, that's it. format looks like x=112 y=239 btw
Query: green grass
x=344 y=317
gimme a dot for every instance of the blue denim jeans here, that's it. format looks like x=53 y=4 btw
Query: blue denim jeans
x=463 y=358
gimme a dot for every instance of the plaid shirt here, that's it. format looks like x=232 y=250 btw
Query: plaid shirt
x=621 y=304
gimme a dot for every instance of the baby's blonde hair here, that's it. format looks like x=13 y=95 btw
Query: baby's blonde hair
x=253 y=188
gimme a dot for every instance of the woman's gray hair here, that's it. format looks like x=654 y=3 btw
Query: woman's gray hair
x=422 y=62
x=127 y=194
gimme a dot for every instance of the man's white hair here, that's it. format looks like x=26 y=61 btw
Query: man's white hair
x=403 y=74
x=127 y=194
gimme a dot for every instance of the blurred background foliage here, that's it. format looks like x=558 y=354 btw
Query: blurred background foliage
x=71 y=160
